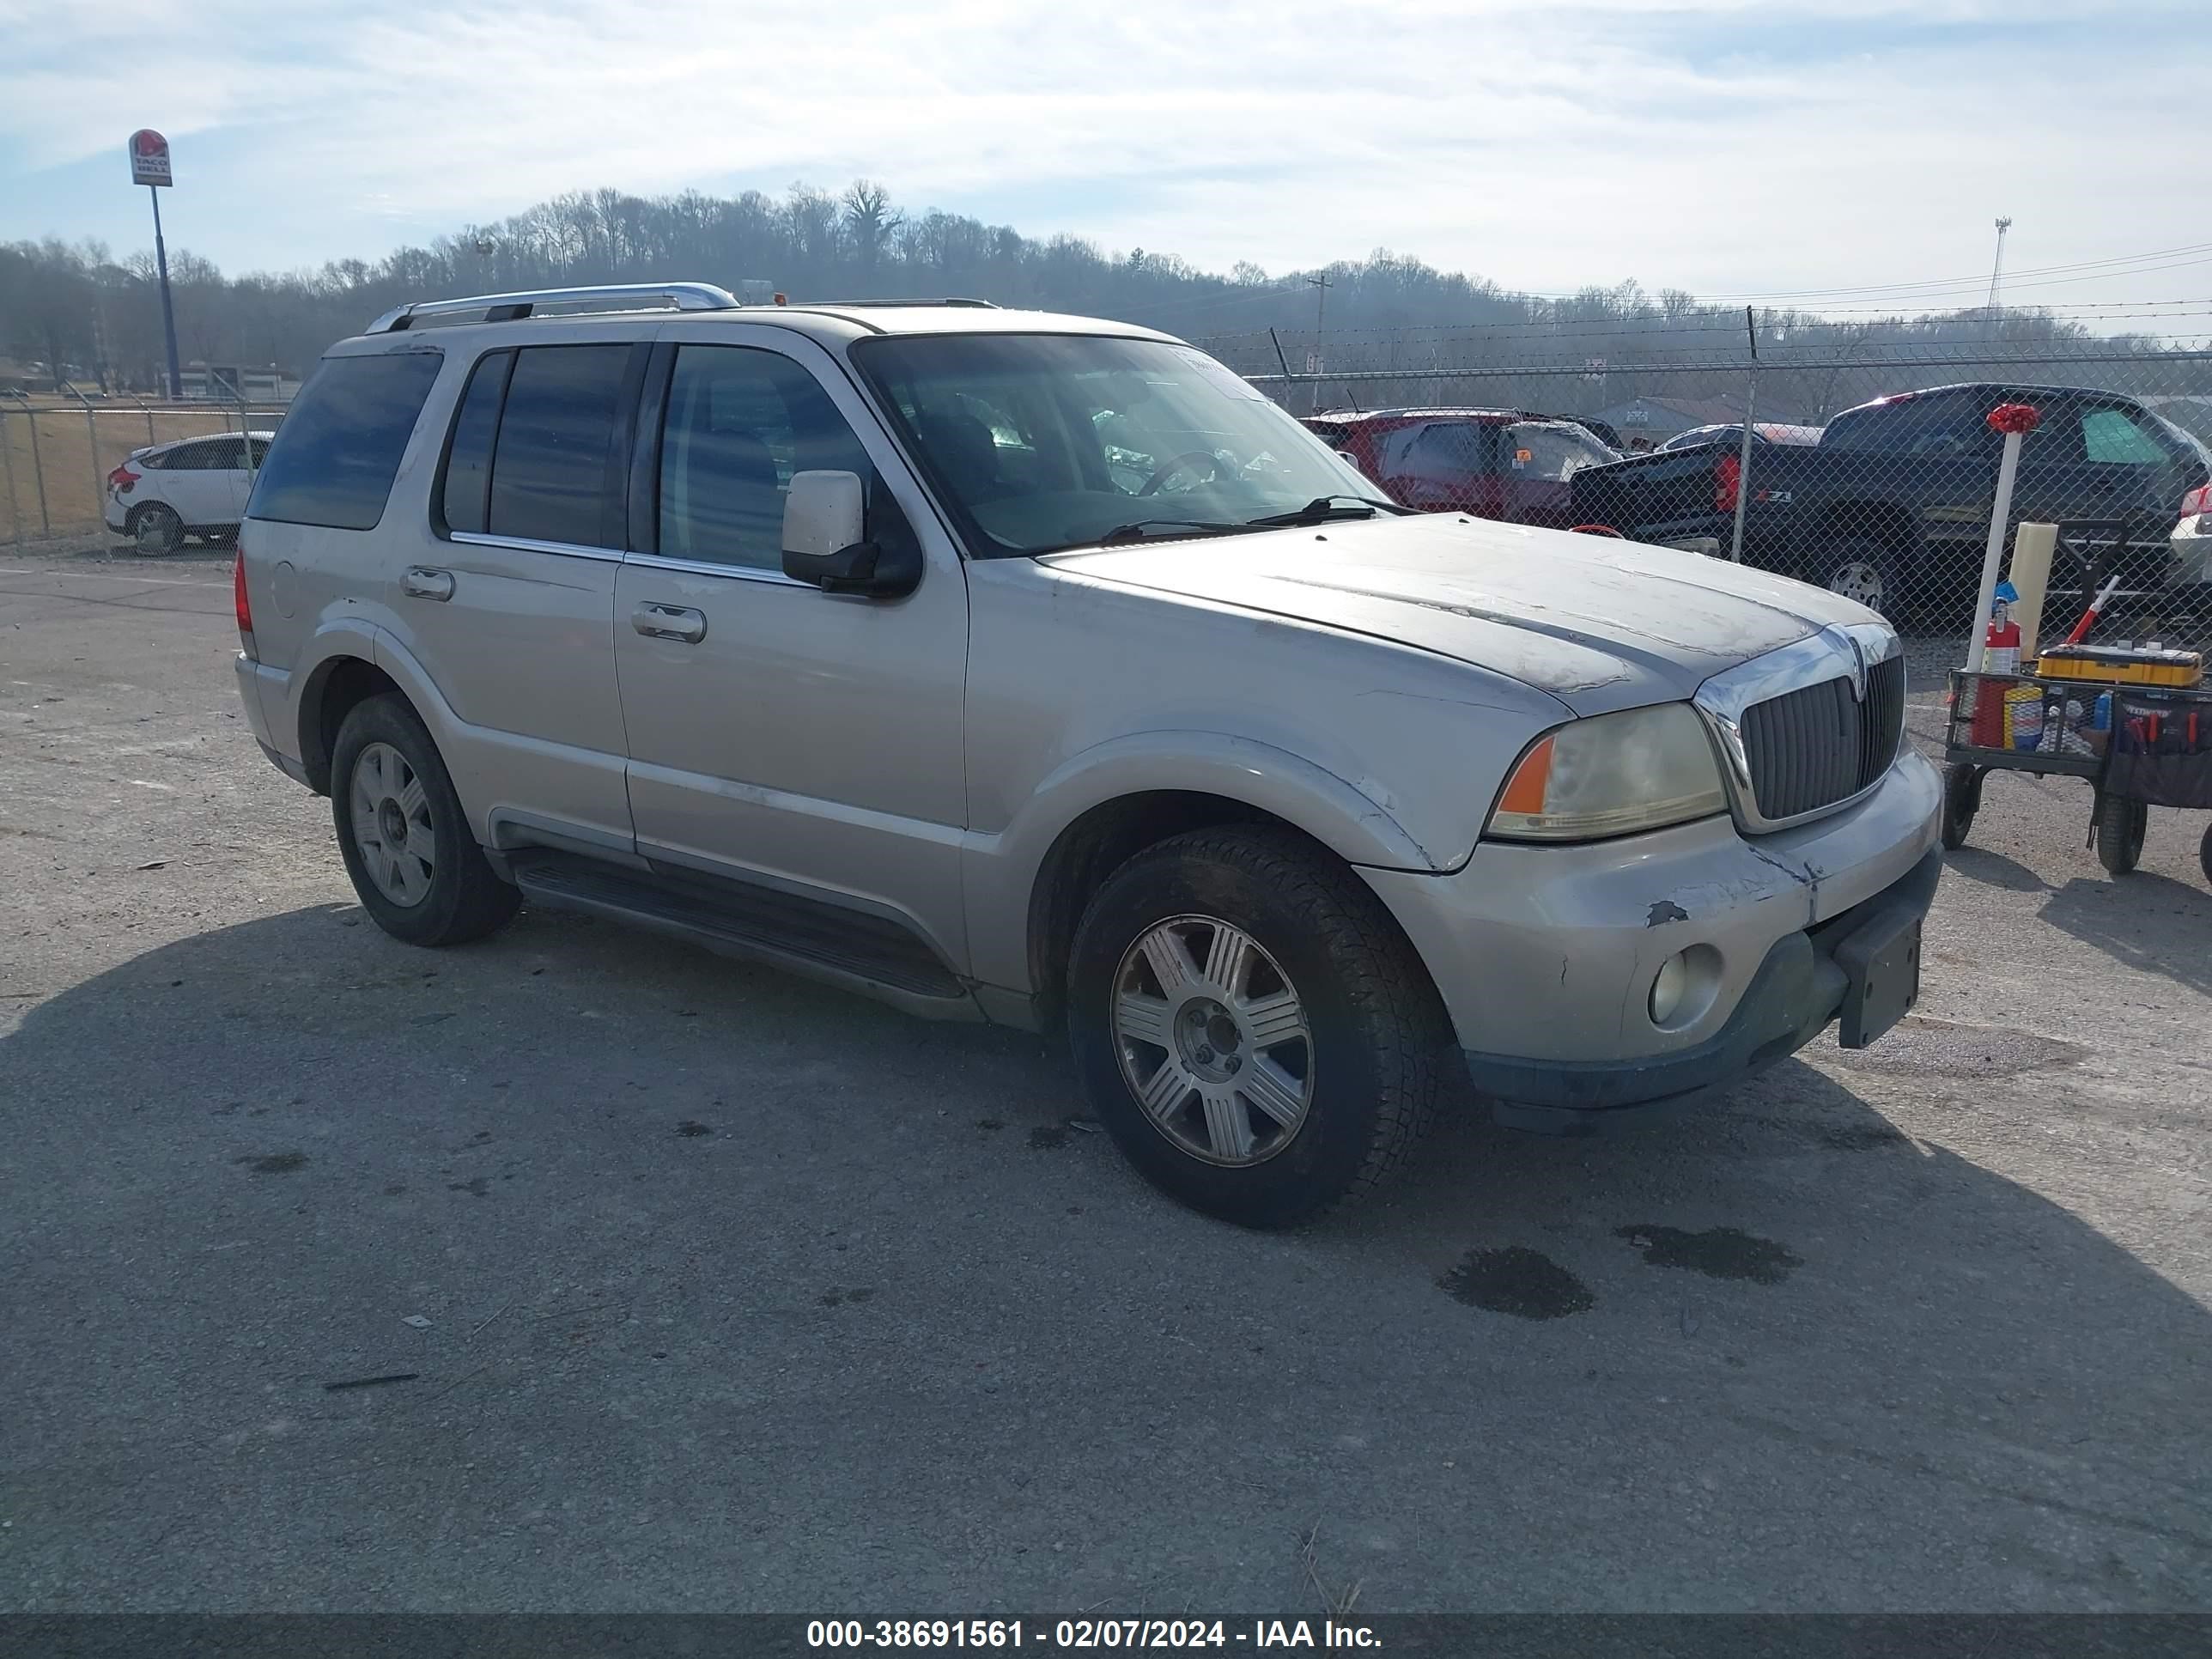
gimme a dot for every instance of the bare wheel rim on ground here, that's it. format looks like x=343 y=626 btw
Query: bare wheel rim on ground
x=1213 y=1041
x=1858 y=581
x=392 y=824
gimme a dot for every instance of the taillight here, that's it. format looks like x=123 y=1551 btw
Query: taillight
x=2198 y=499
x=122 y=478
x=1727 y=480
x=244 y=606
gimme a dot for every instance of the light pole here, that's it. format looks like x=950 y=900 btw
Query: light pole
x=1996 y=270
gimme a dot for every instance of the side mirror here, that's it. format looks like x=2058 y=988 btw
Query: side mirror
x=824 y=531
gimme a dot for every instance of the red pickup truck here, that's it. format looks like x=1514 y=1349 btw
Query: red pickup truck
x=1492 y=463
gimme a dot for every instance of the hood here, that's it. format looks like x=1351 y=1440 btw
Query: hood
x=1598 y=623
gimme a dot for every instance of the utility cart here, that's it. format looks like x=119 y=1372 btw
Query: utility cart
x=2138 y=746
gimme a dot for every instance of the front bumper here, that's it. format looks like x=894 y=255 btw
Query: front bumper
x=1545 y=956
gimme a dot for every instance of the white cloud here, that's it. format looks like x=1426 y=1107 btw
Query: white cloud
x=1708 y=143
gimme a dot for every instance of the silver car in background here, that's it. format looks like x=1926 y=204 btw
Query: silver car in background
x=1037 y=670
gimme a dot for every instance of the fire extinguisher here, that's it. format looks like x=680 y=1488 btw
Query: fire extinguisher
x=2001 y=647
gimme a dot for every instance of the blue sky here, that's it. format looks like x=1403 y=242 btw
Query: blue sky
x=1723 y=146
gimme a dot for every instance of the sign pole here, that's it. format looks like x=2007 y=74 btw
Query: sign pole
x=169 y=311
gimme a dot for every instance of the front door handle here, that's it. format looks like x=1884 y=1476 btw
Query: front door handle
x=421 y=583
x=670 y=622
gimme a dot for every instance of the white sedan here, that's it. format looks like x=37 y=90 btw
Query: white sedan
x=187 y=487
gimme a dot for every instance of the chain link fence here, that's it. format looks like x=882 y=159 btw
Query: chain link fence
x=58 y=455
x=1872 y=472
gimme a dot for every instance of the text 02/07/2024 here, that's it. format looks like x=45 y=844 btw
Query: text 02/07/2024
x=1084 y=1633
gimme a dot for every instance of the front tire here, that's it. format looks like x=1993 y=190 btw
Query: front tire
x=2121 y=826
x=1962 y=798
x=1251 y=1027
x=405 y=841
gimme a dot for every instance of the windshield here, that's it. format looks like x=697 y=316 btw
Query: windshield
x=1045 y=441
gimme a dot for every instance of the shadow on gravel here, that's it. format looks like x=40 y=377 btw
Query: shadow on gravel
x=2149 y=922
x=731 y=1276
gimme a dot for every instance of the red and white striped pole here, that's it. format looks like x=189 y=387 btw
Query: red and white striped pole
x=2015 y=421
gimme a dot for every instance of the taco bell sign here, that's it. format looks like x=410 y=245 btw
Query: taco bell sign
x=149 y=158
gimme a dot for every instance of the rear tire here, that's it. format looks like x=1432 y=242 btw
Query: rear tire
x=404 y=838
x=2121 y=826
x=1214 y=943
x=1962 y=798
x=2204 y=854
x=1863 y=570
x=157 y=528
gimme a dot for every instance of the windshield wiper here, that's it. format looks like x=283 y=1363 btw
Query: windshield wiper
x=1323 y=508
x=1141 y=529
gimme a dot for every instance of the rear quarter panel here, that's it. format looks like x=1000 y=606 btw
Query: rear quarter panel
x=320 y=593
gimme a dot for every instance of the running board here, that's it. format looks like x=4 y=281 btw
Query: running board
x=739 y=919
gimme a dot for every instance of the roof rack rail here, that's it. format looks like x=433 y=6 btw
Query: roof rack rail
x=861 y=304
x=509 y=307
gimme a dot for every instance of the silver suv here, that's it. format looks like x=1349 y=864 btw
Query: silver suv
x=1038 y=669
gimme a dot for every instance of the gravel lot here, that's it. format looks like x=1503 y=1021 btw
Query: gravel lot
x=720 y=1290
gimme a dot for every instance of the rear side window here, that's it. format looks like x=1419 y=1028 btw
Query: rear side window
x=1549 y=453
x=552 y=474
x=1941 y=425
x=467 y=488
x=333 y=460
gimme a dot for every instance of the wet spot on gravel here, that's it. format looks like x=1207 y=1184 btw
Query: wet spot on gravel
x=1860 y=1137
x=693 y=1129
x=477 y=1186
x=1932 y=1047
x=834 y=1297
x=273 y=1163
x=1047 y=1136
x=1518 y=1281
x=1717 y=1252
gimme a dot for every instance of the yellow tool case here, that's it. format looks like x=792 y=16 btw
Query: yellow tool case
x=2107 y=665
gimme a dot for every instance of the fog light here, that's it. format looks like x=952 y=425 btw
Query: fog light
x=1670 y=989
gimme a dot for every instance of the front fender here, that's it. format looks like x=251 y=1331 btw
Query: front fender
x=1001 y=870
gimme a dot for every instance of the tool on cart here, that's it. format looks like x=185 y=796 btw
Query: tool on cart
x=2096 y=610
x=2122 y=665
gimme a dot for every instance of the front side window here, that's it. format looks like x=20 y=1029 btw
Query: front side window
x=332 y=461
x=552 y=476
x=2112 y=437
x=1039 y=442
x=740 y=423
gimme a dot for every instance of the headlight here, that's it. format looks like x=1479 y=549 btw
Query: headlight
x=1612 y=775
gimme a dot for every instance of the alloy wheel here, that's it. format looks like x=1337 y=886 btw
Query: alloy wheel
x=1213 y=1040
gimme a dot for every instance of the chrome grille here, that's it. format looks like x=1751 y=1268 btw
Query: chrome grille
x=1822 y=743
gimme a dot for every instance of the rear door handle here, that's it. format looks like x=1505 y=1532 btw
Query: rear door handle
x=670 y=622
x=421 y=583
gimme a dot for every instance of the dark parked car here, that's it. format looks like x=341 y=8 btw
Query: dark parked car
x=1763 y=432
x=1891 y=505
x=1491 y=462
